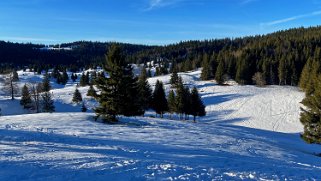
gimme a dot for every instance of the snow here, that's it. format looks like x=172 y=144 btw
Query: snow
x=249 y=133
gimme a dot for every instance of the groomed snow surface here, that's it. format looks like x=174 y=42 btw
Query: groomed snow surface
x=249 y=133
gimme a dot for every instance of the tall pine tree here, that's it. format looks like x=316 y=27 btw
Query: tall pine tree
x=159 y=99
x=197 y=106
x=118 y=93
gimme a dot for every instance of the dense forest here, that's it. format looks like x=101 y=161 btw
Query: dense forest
x=279 y=57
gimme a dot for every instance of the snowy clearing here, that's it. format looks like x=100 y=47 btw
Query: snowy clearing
x=249 y=133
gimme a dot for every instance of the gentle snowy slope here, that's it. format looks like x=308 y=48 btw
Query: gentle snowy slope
x=248 y=133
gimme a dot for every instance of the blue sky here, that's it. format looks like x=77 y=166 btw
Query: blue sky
x=149 y=21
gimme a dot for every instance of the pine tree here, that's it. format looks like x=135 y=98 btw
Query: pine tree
x=47 y=103
x=313 y=77
x=46 y=87
x=118 y=92
x=159 y=99
x=77 y=96
x=64 y=77
x=197 y=106
x=83 y=80
x=311 y=115
x=206 y=71
x=172 y=102
x=25 y=101
x=145 y=91
x=91 y=91
x=174 y=78
x=220 y=73
x=87 y=78
x=15 y=77
x=180 y=98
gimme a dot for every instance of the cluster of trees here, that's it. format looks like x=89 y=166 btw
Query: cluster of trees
x=124 y=94
x=84 y=54
x=310 y=82
x=37 y=96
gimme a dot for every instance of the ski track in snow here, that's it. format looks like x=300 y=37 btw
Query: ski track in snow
x=249 y=133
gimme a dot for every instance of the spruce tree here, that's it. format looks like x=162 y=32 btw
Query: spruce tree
x=220 y=73
x=180 y=98
x=25 y=101
x=46 y=87
x=172 y=102
x=83 y=81
x=197 y=106
x=47 y=103
x=119 y=92
x=91 y=91
x=206 y=71
x=145 y=91
x=15 y=77
x=174 y=78
x=159 y=99
x=77 y=96
x=311 y=115
x=64 y=77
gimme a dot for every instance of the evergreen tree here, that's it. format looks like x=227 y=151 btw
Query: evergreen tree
x=15 y=77
x=91 y=91
x=220 y=73
x=313 y=77
x=47 y=103
x=87 y=78
x=64 y=77
x=118 y=92
x=174 y=78
x=83 y=81
x=46 y=87
x=180 y=98
x=206 y=71
x=77 y=96
x=145 y=91
x=25 y=101
x=159 y=99
x=172 y=102
x=197 y=106
x=311 y=115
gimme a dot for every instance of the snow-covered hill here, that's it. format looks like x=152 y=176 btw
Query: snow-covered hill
x=248 y=133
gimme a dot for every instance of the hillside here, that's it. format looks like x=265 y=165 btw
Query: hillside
x=249 y=133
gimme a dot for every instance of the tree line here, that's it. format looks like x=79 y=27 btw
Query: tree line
x=121 y=93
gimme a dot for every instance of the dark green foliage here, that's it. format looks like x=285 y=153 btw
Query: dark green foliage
x=206 y=71
x=83 y=80
x=145 y=91
x=311 y=115
x=25 y=101
x=174 y=78
x=73 y=77
x=46 y=87
x=64 y=77
x=196 y=105
x=47 y=103
x=91 y=91
x=172 y=105
x=119 y=92
x=159 y=99
x=182 y=99
x=15 y=76
x=77 y=98
x=219 y=75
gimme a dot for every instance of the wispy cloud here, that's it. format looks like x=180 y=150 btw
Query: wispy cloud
x=153 y=4
x=293 y=18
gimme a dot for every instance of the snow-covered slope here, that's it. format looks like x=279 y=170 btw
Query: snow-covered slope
x=248 y=133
